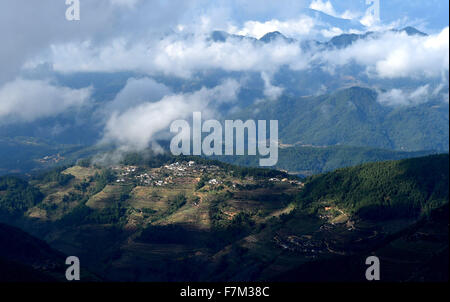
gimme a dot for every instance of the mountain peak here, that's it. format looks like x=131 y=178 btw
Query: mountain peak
x=272 y=36
x=219 y=36
x=222 y=36
x=344 y=40
x=412 y=31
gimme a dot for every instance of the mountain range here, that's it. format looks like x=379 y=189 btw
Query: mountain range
x=360 y=95
x=355 y=117
x=352 y=114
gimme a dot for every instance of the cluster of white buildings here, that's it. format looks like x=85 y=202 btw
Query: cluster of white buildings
x=164 y=175
x=285 y=180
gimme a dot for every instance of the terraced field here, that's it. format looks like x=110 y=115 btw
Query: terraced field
x=188 y=221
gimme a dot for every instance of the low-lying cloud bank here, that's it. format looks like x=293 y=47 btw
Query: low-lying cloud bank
x=399 y=97
x=28 y=100
x=135 y=127
x=395 y=55
x=136 y=92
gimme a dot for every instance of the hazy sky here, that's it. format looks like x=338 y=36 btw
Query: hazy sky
x=29 y=27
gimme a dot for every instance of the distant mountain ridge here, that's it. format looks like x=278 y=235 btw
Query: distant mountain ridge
x=26 y=147
x=345 y=40
x=310 y=160
x=276 y=35
x=354 y=117
x=349 y=121
x=338 y=41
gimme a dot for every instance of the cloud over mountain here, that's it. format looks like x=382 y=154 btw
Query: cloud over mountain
x=27 y=100
x=136 y=127
x=385 y=55
x=395 y=55
x=266 y=49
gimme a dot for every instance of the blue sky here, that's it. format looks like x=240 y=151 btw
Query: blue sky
x=432 y=15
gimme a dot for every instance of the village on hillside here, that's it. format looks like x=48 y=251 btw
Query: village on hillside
x=179 y=172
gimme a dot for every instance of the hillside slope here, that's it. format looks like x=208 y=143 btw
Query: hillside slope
x=190 y=219
x=406 y=188
x=27 y=259
x=354 y=117
x=310 y=160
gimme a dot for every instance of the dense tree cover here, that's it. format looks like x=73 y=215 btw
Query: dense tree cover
x=103 y=178
x=226 y=230
x=406 y=188
x=75 y=217
x=72 y=196
x=82 y=214
x=82 y=186
x=149 y=159
x=202 y=182
x=176 y=203
x=109 y=215
x=17 y=196
x=84 y=162
x=354 y=117
x=56 y=175
x=315 y=160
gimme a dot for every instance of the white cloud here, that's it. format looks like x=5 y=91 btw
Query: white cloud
x=395 y=55
x=175 y=56
x=332 y=32
x=28 y=28
x=270 y=91
x=371 y=18
x=327 y=8
x=385 y=55
x=427 y=56
x=135 y=92
x=323 y=6
x=25 y=100
x=296 y=28
x=369 y=21
x=350 y=15
x=136 y=128
x=398 y=97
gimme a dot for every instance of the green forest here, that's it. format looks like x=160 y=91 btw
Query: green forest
x=406 y=188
